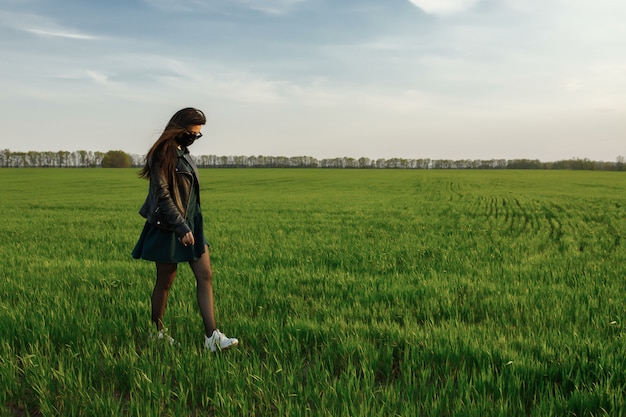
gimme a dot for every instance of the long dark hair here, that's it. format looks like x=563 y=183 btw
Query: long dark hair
x=163 y=152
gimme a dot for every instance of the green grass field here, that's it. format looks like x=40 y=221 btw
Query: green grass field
x=353 y=293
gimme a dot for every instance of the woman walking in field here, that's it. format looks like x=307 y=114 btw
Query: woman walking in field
x=173 y=231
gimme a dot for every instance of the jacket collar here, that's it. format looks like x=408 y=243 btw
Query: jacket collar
x=187 y=157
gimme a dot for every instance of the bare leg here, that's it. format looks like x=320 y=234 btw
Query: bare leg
x=204 y=281
x=165 y=278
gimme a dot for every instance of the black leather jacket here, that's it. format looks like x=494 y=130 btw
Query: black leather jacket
x=166 y=204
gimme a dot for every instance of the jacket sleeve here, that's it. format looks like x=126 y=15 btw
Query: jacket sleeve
x=166 y=215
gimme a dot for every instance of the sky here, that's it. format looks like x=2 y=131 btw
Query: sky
x=439 y=79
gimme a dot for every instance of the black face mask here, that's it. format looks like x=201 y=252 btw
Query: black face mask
x=187 y=139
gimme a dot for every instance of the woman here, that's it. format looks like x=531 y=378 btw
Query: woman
x=173 y=231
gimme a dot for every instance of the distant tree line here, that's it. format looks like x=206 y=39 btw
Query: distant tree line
x=66 y=159
x=120 y=159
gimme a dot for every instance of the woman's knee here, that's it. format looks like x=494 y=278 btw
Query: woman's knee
x=205 y=275
x=202 y=268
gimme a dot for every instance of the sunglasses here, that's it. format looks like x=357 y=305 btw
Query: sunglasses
x=195 y=136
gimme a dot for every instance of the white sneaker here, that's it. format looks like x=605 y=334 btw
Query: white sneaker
x=219 y=341
x=162 y=335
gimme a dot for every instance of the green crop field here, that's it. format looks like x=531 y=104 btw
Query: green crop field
x=353 y=293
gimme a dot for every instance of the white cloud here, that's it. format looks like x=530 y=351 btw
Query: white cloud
x=385 y=45
x=61 y=34
x=444 y=6
x=271 y=6
x=275 y=7
x=41 y=26
x=98 y=77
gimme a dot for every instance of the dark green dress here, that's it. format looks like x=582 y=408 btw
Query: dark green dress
x=163 y=246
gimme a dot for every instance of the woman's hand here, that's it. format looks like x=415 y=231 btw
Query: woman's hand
x=187 y=239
